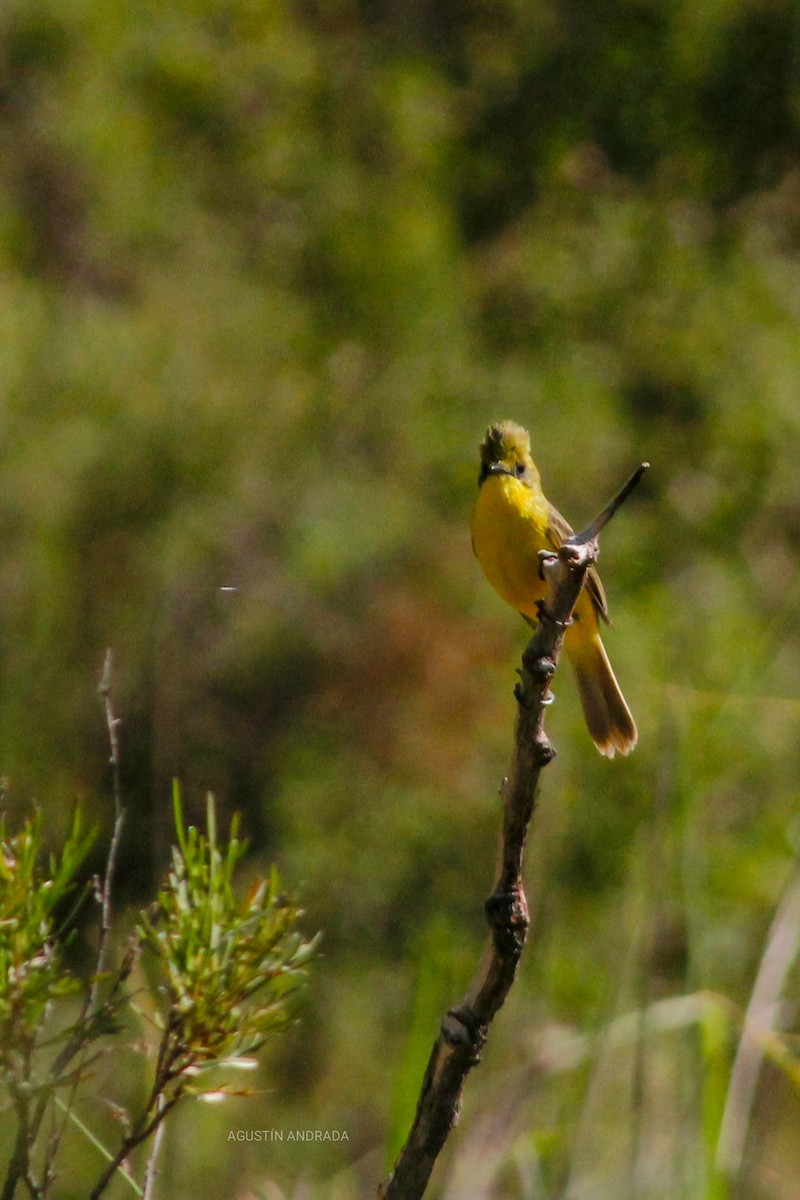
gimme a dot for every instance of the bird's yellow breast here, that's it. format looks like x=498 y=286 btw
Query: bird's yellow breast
x=509 y=528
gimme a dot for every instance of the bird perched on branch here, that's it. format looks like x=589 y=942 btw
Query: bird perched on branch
x=513 y=520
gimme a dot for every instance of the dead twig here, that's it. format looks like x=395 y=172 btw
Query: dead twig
x=465 y=1027
x=105 y=888
x=92 y=1009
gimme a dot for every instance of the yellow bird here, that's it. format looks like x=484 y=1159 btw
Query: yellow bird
x=513 y=520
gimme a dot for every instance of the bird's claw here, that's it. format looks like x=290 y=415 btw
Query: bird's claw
x=546 y=615
x=545 y=556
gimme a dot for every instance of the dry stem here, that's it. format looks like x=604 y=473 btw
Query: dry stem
x=465 y=1027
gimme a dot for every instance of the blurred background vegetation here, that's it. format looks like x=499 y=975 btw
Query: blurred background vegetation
x=267 y=271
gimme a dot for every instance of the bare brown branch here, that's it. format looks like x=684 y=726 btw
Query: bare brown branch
x=465 y=1027
x=601 y=520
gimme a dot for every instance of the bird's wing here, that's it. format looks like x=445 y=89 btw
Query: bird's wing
x=558 y=531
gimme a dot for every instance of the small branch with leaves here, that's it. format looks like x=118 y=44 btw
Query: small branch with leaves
x=465 y=1027
x=221 y=968
x=98 y=1012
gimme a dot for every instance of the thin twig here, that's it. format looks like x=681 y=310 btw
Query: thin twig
x=78 y=1042
x=465 y=1028
x=19 y=1163
x=142 y=1130
x=601 y=520
x=151 y=1169
x=112 y=723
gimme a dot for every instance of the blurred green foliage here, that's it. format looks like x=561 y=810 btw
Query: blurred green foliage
x=266 y=274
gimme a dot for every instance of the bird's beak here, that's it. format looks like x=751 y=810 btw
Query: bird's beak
x=499 y=469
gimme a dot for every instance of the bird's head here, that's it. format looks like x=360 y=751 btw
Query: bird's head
x=506 y=450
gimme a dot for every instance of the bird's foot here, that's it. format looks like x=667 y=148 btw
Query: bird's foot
x=546 y=615
x=545 y=556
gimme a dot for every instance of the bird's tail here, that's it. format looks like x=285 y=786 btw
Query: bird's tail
x=608 y=717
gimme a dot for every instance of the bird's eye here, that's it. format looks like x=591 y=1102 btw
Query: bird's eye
x=519 y=470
